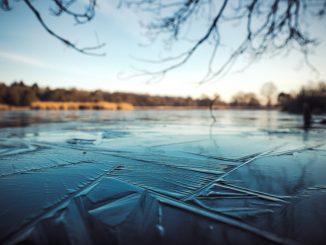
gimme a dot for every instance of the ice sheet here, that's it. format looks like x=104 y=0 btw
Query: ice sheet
x=170 y=177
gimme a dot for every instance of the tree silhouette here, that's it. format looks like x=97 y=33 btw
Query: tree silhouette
x=263 y=27
x=313 y=95
x=59 y=8
x=245 y=99
x=268 y=90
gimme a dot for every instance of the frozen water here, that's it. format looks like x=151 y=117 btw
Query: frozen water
x=148 y=177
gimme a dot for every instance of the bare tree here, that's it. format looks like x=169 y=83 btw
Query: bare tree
x=262 y=27
x=245 y=99
x=58 y=8
x=268 y=90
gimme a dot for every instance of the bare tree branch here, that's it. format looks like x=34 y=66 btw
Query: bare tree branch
x=81 y=18
x=5 y=5
x=267 y=27
x=63 y=7
x=271 y=26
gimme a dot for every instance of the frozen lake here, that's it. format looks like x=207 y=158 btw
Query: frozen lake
x=161 y=177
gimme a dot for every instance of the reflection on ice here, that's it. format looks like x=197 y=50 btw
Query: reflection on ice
x=174 y=177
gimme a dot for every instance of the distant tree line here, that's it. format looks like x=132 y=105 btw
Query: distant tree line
x=242 y=99
x=20 y=94
x=313 y=95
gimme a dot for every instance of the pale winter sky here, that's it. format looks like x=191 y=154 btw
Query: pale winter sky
x=29 y=53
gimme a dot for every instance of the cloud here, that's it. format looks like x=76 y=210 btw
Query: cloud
x=25 y=60
x=37 y=63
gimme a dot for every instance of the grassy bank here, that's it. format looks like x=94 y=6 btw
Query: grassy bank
x=102 y=105
x=52 y=105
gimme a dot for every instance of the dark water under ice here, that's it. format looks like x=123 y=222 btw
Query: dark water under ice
x=161 y=177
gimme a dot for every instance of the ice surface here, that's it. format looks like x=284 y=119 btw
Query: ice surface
x=173 y=177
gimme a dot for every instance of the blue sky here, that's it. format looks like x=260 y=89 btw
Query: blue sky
x=28 y=53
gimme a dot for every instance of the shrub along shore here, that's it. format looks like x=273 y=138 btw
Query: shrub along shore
x=54 y=105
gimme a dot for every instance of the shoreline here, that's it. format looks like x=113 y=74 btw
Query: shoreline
x=51 y=105
x=112 y=106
